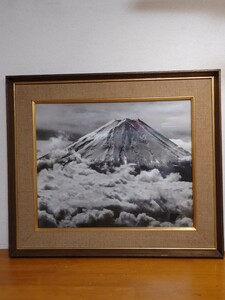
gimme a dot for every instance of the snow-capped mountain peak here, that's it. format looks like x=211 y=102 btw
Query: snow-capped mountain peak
x=126 y=141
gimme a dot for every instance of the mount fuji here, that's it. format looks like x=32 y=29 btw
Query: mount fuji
x=126 y=141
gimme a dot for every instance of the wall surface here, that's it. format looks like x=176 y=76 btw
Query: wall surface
x=76 y=36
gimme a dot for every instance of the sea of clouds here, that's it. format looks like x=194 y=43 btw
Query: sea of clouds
x=75 y=195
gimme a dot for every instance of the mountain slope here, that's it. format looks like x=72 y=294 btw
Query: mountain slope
x=127 y=141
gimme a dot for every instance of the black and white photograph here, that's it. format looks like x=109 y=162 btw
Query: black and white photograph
x=114 y=164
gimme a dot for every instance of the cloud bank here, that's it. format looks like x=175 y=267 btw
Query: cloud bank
x=74 y=195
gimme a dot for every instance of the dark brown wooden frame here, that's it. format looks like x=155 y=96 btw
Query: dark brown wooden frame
x=14 y=252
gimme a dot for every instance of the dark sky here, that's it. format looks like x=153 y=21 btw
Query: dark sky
x=171 y=118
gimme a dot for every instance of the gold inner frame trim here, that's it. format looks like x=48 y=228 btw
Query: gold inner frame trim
x=214 y=157
x=126 y=248
x=116 y=100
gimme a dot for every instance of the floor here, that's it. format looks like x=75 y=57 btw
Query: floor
x=111 y=278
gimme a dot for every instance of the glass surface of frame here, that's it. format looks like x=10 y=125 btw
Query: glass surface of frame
x=124 y=163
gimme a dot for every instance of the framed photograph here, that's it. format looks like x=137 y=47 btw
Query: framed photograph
x=122 y=164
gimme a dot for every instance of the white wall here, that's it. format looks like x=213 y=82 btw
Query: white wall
x=74 y=36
